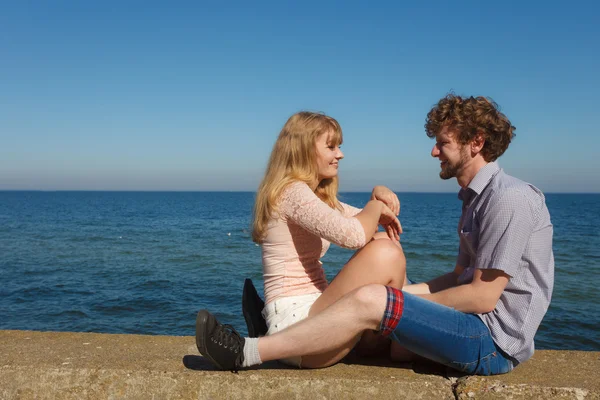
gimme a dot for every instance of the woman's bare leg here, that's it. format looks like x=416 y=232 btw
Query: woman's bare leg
x=339 y=324
x=380 y=261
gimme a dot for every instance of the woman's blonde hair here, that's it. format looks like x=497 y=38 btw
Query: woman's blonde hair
x=294 y=159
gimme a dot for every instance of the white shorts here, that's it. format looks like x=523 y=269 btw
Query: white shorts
x=286 y=311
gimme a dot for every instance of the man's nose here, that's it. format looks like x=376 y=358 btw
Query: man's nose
x=435 y=151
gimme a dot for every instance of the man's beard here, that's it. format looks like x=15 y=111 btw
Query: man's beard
x=450 y=171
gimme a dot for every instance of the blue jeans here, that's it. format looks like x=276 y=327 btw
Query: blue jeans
x=453 y=338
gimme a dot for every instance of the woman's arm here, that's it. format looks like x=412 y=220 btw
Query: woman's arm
x=369 y=217
x=348 y=210
x=299 y=204
x=387 y=218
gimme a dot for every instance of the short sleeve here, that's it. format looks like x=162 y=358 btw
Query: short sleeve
x=505 y=229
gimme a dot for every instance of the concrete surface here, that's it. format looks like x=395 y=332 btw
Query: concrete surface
x=64 y=365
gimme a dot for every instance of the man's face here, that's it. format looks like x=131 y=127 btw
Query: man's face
x=452 y=155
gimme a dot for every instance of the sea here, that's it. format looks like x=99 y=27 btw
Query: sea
x=146 y=262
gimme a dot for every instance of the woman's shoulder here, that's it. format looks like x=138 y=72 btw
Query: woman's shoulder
x=296 y=188
x=294 y=195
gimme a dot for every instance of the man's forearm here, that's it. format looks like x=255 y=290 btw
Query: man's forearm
x=435 y=285
x=463 y=298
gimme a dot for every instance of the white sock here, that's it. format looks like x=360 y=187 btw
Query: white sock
x=251 y=356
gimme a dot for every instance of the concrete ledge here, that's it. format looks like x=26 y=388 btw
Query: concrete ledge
x=57 y=365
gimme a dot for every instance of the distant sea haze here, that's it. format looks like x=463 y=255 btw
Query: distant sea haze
x=146 y=262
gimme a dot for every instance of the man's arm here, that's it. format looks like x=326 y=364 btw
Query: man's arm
x=505 y=229
x=479 y=297
x=437 y=284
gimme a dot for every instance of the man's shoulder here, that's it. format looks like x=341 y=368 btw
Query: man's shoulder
x=504 y=184
x=509 y=191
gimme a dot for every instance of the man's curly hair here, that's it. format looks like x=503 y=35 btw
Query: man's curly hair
x=467 y=117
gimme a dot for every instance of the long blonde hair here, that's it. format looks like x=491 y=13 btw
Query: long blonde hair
x=294 y=159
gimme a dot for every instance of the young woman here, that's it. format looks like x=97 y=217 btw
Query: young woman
x=297 y=215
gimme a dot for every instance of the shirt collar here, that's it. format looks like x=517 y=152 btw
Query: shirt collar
x=480 y=181
x=483 y=177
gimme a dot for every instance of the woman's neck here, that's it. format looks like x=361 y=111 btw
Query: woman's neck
x=314 y=185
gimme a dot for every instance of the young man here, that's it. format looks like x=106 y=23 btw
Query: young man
x=480 y=318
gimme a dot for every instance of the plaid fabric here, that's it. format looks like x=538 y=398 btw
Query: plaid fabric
x=393 y=311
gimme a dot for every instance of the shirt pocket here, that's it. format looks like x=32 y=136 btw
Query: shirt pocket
x=469 y=240
x=470 y=225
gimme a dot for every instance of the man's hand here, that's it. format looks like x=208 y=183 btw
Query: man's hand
x=387 y=197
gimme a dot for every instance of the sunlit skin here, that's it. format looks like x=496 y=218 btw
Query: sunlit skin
x=460 y=161
x=328 y=156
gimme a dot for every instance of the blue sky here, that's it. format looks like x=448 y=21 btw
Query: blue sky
x=132 y=95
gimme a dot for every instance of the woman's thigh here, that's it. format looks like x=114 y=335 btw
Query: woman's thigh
x=380 y=261
x=286 y=311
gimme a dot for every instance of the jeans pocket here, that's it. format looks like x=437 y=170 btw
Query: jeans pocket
x=492 y=364
x=481 y=366
x=485 y=364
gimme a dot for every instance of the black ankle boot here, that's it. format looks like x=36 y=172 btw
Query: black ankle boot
x=252 y=306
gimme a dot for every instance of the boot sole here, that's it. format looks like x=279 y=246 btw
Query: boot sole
x=201 y=334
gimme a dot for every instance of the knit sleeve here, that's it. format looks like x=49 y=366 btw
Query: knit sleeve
x=299 y=204
x=350 y=211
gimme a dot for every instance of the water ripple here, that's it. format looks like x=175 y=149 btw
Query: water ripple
x=127 y=262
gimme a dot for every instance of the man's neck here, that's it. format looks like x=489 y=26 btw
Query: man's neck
x=470 y=170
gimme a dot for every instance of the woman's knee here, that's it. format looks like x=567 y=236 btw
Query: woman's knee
x=384 y=236
x=386 y=253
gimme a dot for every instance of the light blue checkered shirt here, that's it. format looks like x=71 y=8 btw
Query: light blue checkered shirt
x=505 y=225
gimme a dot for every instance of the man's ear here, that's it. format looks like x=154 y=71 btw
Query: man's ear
x=477 y=143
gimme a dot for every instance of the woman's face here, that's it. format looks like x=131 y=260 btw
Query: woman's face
x=328 y=156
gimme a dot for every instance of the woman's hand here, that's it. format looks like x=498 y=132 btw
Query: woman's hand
x=387 y=197
x=390 y=223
